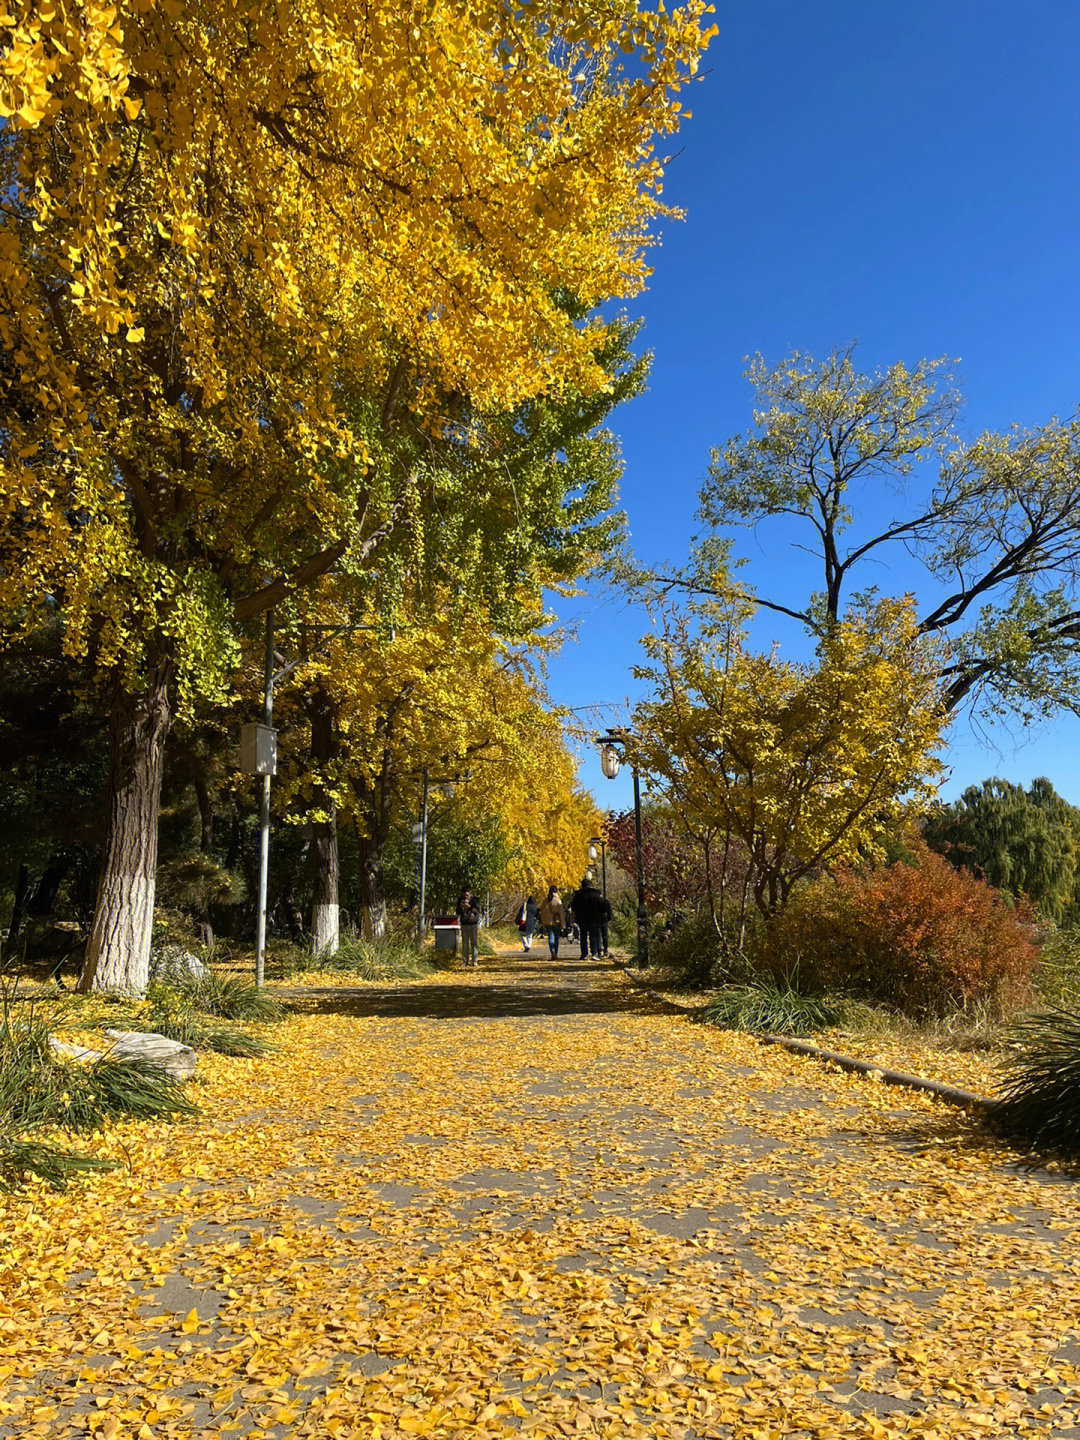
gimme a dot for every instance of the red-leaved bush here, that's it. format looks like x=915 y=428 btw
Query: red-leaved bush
x=922 y=937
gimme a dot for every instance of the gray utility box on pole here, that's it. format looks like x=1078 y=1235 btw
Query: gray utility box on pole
x=258 y=749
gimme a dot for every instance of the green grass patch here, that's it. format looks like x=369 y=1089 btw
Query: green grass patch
x=1040 y=1100
x=386 y=959
x=771 y=1007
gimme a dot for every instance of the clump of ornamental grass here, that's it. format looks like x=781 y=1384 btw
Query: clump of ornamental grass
x=770 y=1006
x=43 y=1090
x=231 y=997
x=375 y=960
x=175 y=1015
x=1040 y=1100
x=21 y=1158
x=40 y=1088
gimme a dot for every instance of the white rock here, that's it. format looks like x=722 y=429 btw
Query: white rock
x=73 y=1052
x=169 y=1055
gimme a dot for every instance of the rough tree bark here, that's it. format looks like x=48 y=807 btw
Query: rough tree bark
x=372 y=833
x=324 y=837
x=118 y=951
x=372 y=888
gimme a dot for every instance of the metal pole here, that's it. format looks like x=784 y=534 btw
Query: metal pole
x=642 y=913
x=264 y=812
x=423 y=860
x=603 y=867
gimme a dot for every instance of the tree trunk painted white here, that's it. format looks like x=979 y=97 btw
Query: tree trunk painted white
x=375 y=920
x=118 y=951
x=325 y=928
x=372 y=832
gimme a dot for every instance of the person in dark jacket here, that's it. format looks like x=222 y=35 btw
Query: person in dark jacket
x=468 y=913
x=528 y=920
x=587 y=913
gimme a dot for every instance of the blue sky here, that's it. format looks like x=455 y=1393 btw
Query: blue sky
x=902 y=175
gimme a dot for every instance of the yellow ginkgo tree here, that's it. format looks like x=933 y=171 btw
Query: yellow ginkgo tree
x=441 y=694
x=217 y=221
x=800 y=763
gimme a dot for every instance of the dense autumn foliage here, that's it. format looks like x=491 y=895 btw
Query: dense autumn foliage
x=677 y=865
x=801 y=764
x=921 y=936
x=219 y=224
x=240 y=247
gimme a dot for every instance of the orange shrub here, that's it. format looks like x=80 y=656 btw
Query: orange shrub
x=923 y=937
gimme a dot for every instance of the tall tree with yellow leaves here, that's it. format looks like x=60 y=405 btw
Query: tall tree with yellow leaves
x=801 y=764
x=215 y=219
x=513 y=502
x=440 y=693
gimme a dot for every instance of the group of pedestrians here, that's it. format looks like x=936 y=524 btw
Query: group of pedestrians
x=589 y=913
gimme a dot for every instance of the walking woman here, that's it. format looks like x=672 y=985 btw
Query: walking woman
x=553 y=919
x=528 y=919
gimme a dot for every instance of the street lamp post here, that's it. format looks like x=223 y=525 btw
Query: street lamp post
x=613 y=751
x=258 y=756
x=597 y=844
x=264 y=805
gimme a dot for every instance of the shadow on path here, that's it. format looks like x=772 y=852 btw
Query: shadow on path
x=501 y=988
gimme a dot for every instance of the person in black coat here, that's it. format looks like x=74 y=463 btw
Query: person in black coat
x=588 y=912
x=468 y=913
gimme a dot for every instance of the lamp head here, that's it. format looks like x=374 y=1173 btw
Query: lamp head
x=609 y=761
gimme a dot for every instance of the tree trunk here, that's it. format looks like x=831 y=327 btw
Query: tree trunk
x=118 y=951
x=372 y=888
x=324 y=905
x=372 y=833
x=197 y=773
x=22 y=884
x=292 y=912
x=324 y=838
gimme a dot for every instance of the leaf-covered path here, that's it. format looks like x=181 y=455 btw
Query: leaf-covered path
x=526 y=1200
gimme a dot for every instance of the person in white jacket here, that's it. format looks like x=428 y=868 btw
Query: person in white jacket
x=553 y=920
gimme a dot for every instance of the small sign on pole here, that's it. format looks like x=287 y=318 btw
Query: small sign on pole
x=418 y=832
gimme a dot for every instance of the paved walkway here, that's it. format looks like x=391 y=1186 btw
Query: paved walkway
x=527 y=1200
